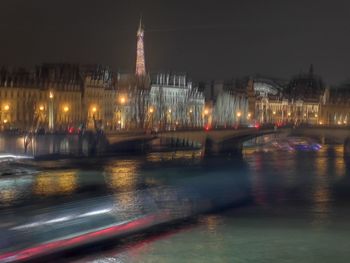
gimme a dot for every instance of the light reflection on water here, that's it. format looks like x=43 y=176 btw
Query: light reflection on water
x=113 y=176
x=55 y=182
x=294 y=208
x=298 y=215
x=122 y=175
x=176 y=155
x=12 y=188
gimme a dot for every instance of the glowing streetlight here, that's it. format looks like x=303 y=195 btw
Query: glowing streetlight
x=169 y=110
x=94 y=109
x=249 y=115
x=65 y=109
x=6 y=107
x=206 y=112
x=5 y=121
x=41 y=107
x=289 y=113
x=274 y=113
x=320 y=122
x=239 y=114
x=151 y=110
x=51 y=95
x=316 y=115
x=191 y=111
x=122 y=100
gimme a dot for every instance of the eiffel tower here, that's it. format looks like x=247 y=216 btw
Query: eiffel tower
x=140 y=57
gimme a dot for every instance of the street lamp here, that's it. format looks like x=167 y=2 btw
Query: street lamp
x=51 y=111
x=41 y=107
x=206 y=118
x=6 y=109
x=151 y=110
x=121 y=111
x=65 y=110
x=239 y=114
x=191 y=117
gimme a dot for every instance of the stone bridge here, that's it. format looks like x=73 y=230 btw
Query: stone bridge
x=215 y=142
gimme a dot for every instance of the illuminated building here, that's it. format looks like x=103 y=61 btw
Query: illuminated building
x=336 y=106
x=99 y=97
x=267 y=100
x=231 y=105
x=175 y=101
x=56 y=97
x=304 y=93
x=298 y=101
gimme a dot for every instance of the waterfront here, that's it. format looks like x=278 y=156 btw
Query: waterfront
x=297 y=210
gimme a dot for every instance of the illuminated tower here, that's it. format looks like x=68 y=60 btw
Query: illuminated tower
x=140 y=57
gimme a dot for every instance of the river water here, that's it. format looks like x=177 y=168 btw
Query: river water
x=298 y=209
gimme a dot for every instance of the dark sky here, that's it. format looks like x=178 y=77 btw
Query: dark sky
x=208 y=39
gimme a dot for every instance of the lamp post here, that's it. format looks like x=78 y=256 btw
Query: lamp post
x=151 y=111
x=5 y=117
x=120 y=112
x=66 y=110
x=206 y=118
x=191 y=114
x=92 y=117
x=51 y=113
x=170 y=118
x=239 y=114
x=41 y=115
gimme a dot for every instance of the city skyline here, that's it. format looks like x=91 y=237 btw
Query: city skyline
x=209 y=41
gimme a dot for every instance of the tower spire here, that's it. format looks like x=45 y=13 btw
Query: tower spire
x=140 y=52
x=140 y=23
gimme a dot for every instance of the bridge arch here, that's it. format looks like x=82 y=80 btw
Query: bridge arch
x=216 y=142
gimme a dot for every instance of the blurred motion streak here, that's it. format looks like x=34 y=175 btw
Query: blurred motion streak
x=29 y=234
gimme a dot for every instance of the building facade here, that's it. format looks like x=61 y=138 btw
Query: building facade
x=298 y=101
x=55 y=97
x=335 y=108
x=231 y=105
x=174 y=102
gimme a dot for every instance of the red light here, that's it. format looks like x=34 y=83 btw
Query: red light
x=71 y=130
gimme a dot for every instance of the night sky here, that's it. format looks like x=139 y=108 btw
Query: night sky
x=208 y=39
